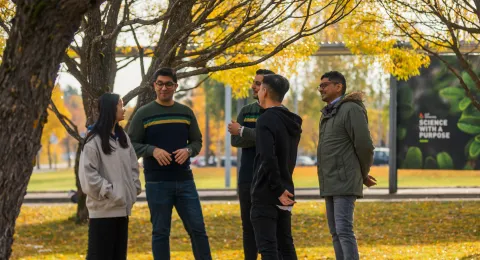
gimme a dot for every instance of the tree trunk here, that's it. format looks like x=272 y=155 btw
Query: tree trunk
x=38 y=160
x=49 y=155
x=82 y=211
x=41 y=31
x=55 y=161
x=67 y=146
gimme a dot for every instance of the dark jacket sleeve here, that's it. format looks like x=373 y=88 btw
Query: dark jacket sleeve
x=269 y=160
x=249 y=134
x=244 y=141
x=356 y=124
x=194 y=137
x=136 y=132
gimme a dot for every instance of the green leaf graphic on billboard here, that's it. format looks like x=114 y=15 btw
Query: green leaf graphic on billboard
x=406 y=111
x=454 y=106
x=405 y=103
x=402 y=132
x=430 y=163
x=477 y=138
x=466 y=101
x=468 y=80
x=444 y=161
x=414 y=158
x=468 y=167
x=469 y=124
x=452 y=93
x=474 y=149
x=466 y=150
x=471 y=111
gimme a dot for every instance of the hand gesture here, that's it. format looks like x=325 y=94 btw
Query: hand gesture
x=285 y=198
x=162 y=156
x=234 y=128
x=370 y=181
x=181 y=155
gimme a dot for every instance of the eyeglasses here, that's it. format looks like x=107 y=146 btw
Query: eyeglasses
x=326 y=84
x=257 y=83
x=168 y=84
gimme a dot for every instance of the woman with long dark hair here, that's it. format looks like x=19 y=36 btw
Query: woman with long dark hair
x=109 y=176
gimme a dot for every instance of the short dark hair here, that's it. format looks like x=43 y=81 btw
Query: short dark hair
x=277 y=86
x=337 y=77
x=165 y=71
x=264 y=72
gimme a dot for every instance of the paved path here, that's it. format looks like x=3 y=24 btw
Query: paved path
x=300 y=194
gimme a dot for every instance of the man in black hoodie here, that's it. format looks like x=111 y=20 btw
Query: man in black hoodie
x=278 y=133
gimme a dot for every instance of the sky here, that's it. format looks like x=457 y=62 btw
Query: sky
x=127 y=79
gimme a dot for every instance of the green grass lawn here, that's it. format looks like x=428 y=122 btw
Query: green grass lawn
x=63 y=180
x=385 y=230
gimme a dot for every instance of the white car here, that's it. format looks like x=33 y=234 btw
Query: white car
x=305 y=161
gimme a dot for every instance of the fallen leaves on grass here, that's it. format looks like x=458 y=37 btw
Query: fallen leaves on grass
x=385 y=230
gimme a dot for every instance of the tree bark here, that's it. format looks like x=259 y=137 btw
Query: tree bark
x=82 y=211
x=40 y=34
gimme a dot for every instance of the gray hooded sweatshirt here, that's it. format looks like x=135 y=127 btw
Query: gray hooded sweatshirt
x=111 y=182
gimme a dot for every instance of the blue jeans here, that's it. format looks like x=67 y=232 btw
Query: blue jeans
x=161 y=197
x=340 y=222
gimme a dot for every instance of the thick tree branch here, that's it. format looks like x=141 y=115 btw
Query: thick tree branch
x=196 y=86
x=119 y=27
x=71 y=128
x=140 y=52
x=135 y=92
x=127 y=63
x=73 y=69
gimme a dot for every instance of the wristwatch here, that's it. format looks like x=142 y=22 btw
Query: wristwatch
x=189 y=151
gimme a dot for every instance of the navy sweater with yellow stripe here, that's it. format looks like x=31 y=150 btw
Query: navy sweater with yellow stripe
x=169 y=128
x=247 y=117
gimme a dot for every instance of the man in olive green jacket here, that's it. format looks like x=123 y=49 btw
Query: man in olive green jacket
x=345 y=154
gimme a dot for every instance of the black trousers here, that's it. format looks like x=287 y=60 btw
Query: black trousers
x=249 y=245
x=107 y=238
x=273 y=232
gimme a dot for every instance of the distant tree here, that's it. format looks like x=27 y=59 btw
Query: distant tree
x=53 y=130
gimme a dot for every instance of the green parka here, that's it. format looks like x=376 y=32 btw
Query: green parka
x=345 y=148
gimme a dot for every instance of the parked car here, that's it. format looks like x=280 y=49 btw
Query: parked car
x=304 y=161
x=232 y=158
x=381 y=156
x=199 y=161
